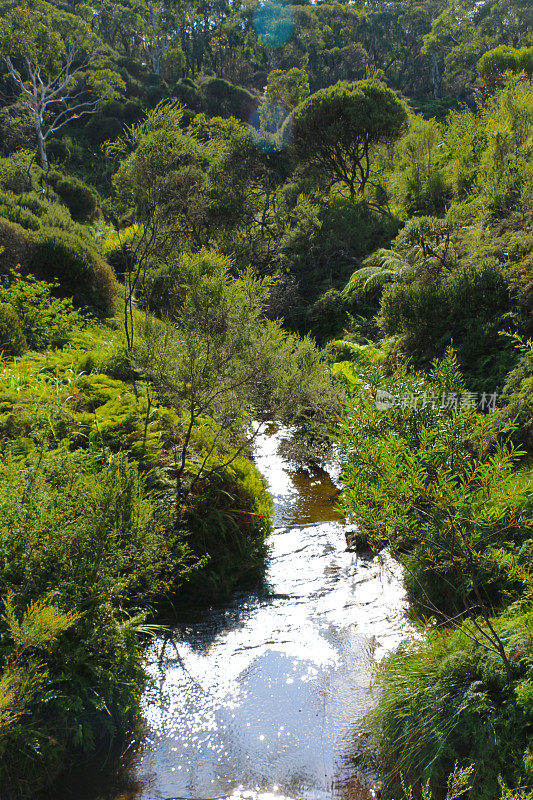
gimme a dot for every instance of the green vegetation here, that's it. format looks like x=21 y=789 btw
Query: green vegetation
x=193 y=201
x=428 y=477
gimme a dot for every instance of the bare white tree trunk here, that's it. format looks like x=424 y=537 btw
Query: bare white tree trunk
x=52 y=101
x=436 y=76
x=41 y=144
x=154 y=40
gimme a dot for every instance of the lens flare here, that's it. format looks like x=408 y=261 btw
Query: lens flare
x=273 y=23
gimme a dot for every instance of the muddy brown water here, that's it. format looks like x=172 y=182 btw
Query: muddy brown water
x=262 y=698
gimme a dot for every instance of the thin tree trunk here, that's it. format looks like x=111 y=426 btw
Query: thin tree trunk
x=43 y=158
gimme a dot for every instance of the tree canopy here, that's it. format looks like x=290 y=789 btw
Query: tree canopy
x=336 y=129
x=60 y=68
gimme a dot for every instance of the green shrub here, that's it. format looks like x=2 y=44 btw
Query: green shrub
x=493 y=64
x=517 y=401
x=15 y=172
x=228 y=520
x=444 y=699
x=133 y=112
x=187 y=92
x=102 y=129
x=320 y=248
x=12 y=339
x=44 y=320
x=425 y=193
x=82 y=201
x=16 y=245
x=88 y=537
x=335 y=311
x=27 y=638
x=12 y=210
x=80 y=272
x=58 y=150
x=222 y=98
x=468 y=309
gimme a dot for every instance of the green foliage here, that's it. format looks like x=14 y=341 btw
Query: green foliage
x=43 y=320
x=336 y=129
x=77 y=268
x=54 y=504
x=423 y=249
x=217 y=355
x=290 y=88
x=222 y=98
x=443 y=699
x=426 y=476
x=468 y=309
x=462 y=31
x=82 y=201
x=228 y=520
x=493 y=64
x=24 y=672
x=418 y=182
x=12 y=339
x=318 y=252
x=517 y=401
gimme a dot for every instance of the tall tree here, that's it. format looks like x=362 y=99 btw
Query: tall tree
x=467 y=28
x=156 y=30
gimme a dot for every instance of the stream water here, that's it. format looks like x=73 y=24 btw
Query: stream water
x=261 y=698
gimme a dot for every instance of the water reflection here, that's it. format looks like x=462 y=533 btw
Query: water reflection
x=260 y=698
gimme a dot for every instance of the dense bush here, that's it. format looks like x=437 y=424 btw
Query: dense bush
x=229 y=522
x=16 y=246
x=43 y=320
x=222 y=98
x=319 y=251
x=82 y=201
x=187 y=92
x=79 y=396
x=517 y=401
x=468 y=309
x=16 y=173
x=425 y=476
x=445 y=699
x=102 y=129
x=493 y=64
x=54 y=505
x=12 y=339
x=80 y=272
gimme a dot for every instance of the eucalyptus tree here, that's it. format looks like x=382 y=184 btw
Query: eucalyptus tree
x=465 y=29
x=156 y=29
x=59 y=67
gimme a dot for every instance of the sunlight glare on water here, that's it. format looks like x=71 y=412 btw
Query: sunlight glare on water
x=261 y=698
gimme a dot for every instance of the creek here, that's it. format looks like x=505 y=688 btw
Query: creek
x=262 y=697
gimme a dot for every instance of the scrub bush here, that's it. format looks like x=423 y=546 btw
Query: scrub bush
x=82 y=201
x=43 y=320
x=12 y=339
x=444 y=699
x=79 y=270
x=468 y=309
x=86 y=537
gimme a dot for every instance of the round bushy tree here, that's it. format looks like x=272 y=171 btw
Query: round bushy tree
x=336 y=129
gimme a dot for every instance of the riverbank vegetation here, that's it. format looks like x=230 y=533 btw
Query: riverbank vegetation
x=211 y=217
